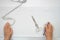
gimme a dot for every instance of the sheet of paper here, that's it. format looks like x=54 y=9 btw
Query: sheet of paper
x=24 y=26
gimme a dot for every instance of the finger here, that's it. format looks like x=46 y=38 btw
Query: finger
x=46 y=27
x=50 y=26
x=7 y=25
x=11 y=29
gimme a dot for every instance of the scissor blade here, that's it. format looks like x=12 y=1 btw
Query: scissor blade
x=35 y=22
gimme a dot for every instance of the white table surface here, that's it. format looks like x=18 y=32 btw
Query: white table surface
x=24 y=26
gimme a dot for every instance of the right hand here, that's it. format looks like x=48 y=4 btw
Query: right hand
x=48 y=31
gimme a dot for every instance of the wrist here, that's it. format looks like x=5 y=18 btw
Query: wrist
x=49 y=38
x=6 y=38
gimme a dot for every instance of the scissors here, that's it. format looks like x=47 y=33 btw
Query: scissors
x=37 y=26
x=8 y=18
x=38 y=29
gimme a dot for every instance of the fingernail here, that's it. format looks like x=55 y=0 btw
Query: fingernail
x=8 y=24
x=48 y=22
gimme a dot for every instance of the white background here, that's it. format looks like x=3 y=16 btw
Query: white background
x=42 y=10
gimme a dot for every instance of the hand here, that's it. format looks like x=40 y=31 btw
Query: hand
x=48 y=31
x=7 y=31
